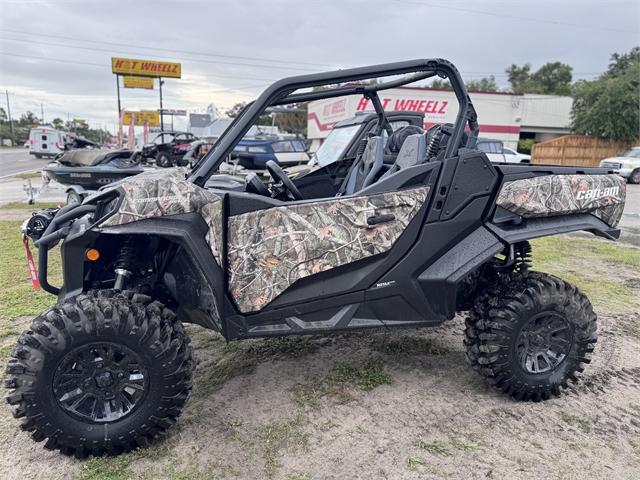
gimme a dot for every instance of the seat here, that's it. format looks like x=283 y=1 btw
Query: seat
x=412 y=151
x=367 y=168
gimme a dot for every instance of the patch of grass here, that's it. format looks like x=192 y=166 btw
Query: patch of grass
x=236 y=362
x=304 y=395
x=5 y=352
x=295 y=346
x=106 y=468
x=361 y=430
x=461 y=445
x=435 y=448
x=279 y=436
x=581 y=423
x=413 y=461
x=33 y=208
x=368 y=375
x=323 y=426
x=636 y=408
x=408 y=346
x=28 y=175
x=297 y=476
x=569 y=260
x=17 y=296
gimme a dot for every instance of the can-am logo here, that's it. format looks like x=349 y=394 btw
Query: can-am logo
x=597 y=193
x=162 y=200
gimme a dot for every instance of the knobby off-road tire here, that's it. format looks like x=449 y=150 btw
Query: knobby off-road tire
x=529 y=333
x=104 y=373
x=163 y=160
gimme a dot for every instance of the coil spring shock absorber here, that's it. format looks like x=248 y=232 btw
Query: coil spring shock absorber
x=124 y=263
x=434 y=144
x=522 y=256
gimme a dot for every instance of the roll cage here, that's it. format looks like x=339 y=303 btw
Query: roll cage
x=283 y=92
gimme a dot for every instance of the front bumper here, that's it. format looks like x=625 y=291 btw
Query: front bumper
x=624 y=172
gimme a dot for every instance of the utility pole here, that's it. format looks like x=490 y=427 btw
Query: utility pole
x=68 y=122
x=13 y=136
x=160 y=82
x=42 y=110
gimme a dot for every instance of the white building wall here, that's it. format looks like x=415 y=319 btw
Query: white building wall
x=499 y=114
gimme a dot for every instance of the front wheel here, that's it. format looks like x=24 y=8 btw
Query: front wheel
x=635 y=176
x=73 y=198
x=104 y=374
x=529 y=333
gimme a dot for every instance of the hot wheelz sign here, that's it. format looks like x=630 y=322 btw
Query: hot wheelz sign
x=145 y=68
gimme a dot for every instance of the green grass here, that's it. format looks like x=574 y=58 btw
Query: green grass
x=34 y=207
x=17 y=296
x=413 y=461
x=408 y=346
x=368 y=375
x=581 y=423
x=28 y=175
x=295 y=346
x=279 y=436
x=105 y=468
x=580 y=262
x=435 y=448
x=636 y=408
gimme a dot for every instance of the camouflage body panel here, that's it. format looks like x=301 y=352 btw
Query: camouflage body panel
x=600 y=195
x=166 y=192
x=269 y=250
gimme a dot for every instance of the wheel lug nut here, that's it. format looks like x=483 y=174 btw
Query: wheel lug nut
x=120 y=375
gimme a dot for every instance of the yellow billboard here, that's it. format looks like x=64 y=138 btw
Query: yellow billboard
x=145 y=68
x=139 y=118
x=138 y=82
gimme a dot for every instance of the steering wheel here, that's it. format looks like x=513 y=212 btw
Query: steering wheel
x=278 y=174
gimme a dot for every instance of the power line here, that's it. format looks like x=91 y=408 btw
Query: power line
x=173 y=51
x=513 y=17
x=108 y=66
x=158 y=56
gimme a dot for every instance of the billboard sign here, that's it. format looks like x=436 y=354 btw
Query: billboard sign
x=145 y=68
x=140 y=118
x=79 y=121
x=167 y=111
x=138 y=82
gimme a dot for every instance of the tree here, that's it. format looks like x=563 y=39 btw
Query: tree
x=553 y=78
x=608 y=106
x=28 y=118
x=441 y=83
x=58 y=123
x=3 y=115
x=485 y=84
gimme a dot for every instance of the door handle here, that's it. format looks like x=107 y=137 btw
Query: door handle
x=381 y=219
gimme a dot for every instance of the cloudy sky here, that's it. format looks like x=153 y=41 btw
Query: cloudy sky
x=57 y=53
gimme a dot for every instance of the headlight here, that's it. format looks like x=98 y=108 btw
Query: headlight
x=628 y=165
x=257 y=150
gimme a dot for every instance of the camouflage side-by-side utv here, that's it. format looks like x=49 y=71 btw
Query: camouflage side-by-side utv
x=390 y=238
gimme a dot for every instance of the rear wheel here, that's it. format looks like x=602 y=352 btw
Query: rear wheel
x=102 y=374
x=529 y=333
x=635 y=176
x=163 y=160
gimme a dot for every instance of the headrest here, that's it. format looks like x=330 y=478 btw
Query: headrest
x=397 y=138
x=413 y=149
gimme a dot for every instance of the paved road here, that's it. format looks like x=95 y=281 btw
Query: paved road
x=630 y=221
x=14 y=161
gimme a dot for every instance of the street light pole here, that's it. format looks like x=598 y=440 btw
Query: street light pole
x=161 y=116
x=13 y=136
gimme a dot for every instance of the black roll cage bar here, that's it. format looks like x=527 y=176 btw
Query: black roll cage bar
x=282 y=93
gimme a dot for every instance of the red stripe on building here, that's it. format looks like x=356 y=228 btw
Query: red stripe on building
x=323 y=127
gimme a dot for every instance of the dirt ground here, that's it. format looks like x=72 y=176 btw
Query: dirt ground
x=280 y=417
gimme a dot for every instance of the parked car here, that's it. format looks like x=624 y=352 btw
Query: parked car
x=511 y=156
x=257 y=151
x=626 y=165
x=26 y=144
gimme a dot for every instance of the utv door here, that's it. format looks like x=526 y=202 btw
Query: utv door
x=296 y=252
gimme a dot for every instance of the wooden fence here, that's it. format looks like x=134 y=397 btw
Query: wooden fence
x=577 y=150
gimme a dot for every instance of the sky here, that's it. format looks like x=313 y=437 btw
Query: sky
x=56 y=55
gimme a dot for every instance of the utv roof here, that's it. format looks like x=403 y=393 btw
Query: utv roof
x=283 y=92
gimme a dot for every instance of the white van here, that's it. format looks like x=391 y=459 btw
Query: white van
x=46 y=142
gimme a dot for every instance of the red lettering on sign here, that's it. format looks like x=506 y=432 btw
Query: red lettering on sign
x=175 y=69
x=421 y=105
x=133 y=65
x=146 y=66
x=362 y=104
x=444 y=106
x=430 y=108
x=401 y=104
x=385 y=102
x=119 y=64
